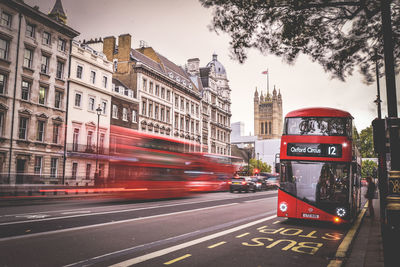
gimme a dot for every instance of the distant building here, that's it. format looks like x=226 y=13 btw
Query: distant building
x=88 y=115
x=268 y=115
x=34 y=61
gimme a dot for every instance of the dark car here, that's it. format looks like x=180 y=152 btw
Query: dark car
x=242 y=184
x=272 y=182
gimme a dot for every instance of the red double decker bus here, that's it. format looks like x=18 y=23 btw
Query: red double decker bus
x=320 y=166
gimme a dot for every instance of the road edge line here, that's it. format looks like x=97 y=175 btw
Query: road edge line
x=340 y=256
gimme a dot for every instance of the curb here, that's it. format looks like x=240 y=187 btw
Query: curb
x=343 y=249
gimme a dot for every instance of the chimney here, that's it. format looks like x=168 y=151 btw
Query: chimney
x=124 y=47
x=109 y=47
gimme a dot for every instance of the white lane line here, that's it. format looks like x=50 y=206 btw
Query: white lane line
x=187 y=244
x=108 y=223
x=99 y=213
x=75 y=212
x=255 y=200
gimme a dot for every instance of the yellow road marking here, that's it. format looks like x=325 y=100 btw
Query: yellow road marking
x=276 y=222
x=348 y=239
x=177 y=259
x=262 y=227
x=216 y=245
x=242 y=235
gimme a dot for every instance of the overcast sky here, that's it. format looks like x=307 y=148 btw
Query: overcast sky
x=179 y=30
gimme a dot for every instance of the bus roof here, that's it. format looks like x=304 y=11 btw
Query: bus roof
x=318 y=112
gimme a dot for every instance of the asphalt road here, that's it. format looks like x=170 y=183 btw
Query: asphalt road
x=216 y=229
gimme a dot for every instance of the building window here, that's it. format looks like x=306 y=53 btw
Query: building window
x=162 y=92
x=182 y=123
x=75 y=140
x=88 y=169
x=162 y=114
x=56 y=133
x=40 y=131
x=157 y=90
x=46 y=38
x=25 y=90
x=62 y=45
x=134 y=116
x=187 y=125
x=42 y=95
x=3 y=83
x=151 y=88
x=60 y=70
x=125 y=114
x=93 y=77
x=6 y=19
x=187 y=107
x=38 y=165
x=57 y=99
x=176 y=121
x=78 y=99
x=1 y=122
x=74 y=169
x=115 y=112
x=144 y=107
x=197 y=110
x=168 y=95
x=23 y=127
x=79 y=72
x=28 y=56
x=176 y=102
x=192 y=126
x=167 y=116
x=4 y=44
x=30 y=30
x=101 y=145
x=104 y=107
x=197 y=127
x=182 y=104
x=45 y=64
x=89 y=139
x=270 y=127
x=53 y=167
x=150 y=110
x=262 y=128
x=105 y=81
x=144 y=85
x=91 y=103
x=156 y=112
x=126 y=91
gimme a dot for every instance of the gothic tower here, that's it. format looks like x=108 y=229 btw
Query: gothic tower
x=268 y=115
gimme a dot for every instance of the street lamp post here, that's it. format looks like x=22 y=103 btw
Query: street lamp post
x=258 y=161
x=96 y=174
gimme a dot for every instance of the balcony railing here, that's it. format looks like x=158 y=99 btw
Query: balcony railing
x=86 y=149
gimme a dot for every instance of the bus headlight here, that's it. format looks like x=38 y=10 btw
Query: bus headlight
x=341 y=212
x=283 y=207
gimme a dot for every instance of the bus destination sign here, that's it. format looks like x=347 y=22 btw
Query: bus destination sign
x=314 y=150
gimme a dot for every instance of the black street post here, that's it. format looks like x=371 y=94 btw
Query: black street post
x=96 y=174
x=258 y=162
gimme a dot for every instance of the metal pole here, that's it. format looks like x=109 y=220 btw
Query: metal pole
x=378 y=96
x=96 y=175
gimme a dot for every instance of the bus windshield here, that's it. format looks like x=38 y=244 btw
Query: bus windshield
x=318 y=126
x=318 y=183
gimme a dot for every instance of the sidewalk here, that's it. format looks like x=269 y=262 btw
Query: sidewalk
x=367 y=248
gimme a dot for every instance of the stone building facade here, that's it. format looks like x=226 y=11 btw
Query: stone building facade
x=34 y=61
x=88 y=122
x=268 y=115
x=169 y=102
x=216 y=113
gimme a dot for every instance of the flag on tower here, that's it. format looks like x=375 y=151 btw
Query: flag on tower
x=264 y=72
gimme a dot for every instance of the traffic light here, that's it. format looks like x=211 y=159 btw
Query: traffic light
x=256 y=171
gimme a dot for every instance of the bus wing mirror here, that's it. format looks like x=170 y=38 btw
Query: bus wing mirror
x=277 y=169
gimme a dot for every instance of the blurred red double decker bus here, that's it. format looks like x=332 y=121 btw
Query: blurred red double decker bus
x=149 y=166
x=320 y=166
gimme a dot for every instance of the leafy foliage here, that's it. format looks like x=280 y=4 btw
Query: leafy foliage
x=340 y=35
x=369 y=168
x=262 y=166
x=366 y=143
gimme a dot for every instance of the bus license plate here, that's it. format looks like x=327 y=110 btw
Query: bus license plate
x=310 y=215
